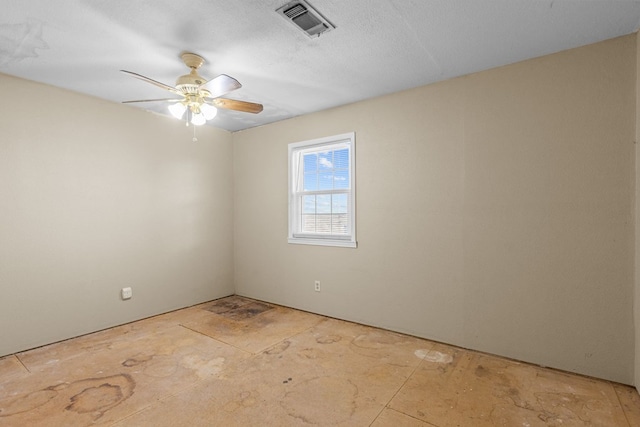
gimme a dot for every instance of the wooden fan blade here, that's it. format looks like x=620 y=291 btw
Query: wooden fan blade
x=153 y=82
x=221 y=85
x=233 y=104
x=153 y=100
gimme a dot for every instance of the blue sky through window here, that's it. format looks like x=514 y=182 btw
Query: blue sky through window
x=339 y=203
x=326 y=171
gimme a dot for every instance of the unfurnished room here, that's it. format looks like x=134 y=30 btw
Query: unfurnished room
x=296 y=213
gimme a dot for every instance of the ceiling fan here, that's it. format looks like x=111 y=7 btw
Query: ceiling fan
x=196 y=96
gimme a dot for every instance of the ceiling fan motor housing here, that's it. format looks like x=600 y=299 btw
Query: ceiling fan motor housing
x=190 y=82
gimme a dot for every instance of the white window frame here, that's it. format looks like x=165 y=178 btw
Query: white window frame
x=296 y=151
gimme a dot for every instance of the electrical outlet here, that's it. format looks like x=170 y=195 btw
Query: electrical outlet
x=126 y=293
x=317 y=286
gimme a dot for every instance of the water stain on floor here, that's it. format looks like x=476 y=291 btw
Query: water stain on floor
x=226 y=304
x=92 y=396
x=238 y=308
x=334 y=401
x=246 y=311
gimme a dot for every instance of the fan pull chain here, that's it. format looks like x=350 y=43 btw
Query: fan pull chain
x=186 y=122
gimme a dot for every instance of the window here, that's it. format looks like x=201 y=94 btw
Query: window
x=322 y=191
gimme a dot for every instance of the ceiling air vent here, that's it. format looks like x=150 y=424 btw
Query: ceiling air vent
x=304 y=16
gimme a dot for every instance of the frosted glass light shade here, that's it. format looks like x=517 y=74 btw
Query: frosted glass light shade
x=198 y=119
x=177 y=110
x=209 y=111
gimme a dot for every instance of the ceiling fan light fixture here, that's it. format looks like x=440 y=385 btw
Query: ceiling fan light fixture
x=208 y=111
x=198 y=119
x=177 y=110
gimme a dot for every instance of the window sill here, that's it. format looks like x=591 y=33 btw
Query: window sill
x=323 y=242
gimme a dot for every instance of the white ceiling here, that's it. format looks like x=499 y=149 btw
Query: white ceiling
x=378 y=46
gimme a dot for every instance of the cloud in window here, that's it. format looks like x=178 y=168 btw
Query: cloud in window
x=325 y=162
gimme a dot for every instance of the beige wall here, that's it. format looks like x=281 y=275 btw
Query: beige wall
x=495 y=212
x=95 y=196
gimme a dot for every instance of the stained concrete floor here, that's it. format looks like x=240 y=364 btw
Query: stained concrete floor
x=240 y=362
